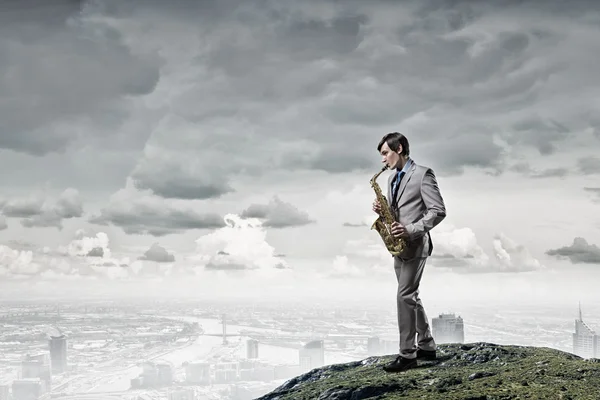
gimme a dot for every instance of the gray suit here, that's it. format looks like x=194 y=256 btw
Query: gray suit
x=420 y=207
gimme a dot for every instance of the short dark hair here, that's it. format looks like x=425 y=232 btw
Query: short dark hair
x=394 y=141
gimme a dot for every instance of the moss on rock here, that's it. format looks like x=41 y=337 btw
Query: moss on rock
x=475 y=371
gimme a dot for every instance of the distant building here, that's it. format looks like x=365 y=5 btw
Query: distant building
x=585 y=340
x=373 y=346
x=197 y=372
x=4 y=392
x=448 y=328
x=252 y=348
x=312 y=355
x=27 y=389
x=156 y=374
x=165 y=373
x=382 y=345
x=182 y=394
x=37 y=366
x=58 y=353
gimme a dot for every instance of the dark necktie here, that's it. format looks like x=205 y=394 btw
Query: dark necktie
x=396 y=187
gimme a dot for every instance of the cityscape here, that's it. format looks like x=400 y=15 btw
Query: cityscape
x=187 y=351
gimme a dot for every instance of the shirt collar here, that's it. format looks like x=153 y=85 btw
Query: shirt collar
x=406 y=166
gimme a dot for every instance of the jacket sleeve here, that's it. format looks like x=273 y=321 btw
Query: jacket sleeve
x=435 y=208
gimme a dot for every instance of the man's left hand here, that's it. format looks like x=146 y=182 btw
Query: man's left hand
x=398 y=230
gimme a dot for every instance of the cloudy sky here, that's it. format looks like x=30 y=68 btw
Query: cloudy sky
x=229 y=144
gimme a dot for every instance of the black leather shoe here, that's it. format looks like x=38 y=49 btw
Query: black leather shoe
x=426 y=354
x=400 y=364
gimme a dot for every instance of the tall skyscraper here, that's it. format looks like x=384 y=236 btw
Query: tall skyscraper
x=251 y=348
x=312 y=355
x=585 y=340
x=448 y=328
x=58 y=353
x=373 y=346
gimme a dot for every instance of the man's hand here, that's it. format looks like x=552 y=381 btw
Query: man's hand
x=377 y=207
x=398 y=230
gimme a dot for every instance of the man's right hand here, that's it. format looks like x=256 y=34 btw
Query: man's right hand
x=377 y=207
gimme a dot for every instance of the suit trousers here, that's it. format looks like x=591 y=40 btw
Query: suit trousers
x=412 y=319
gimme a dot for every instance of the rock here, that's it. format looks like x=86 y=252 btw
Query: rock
x=480 y=374
x=474 y=371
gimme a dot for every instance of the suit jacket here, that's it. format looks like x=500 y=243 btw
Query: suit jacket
x=420 y=207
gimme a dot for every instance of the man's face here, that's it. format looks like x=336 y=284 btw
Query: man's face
x=388 y=156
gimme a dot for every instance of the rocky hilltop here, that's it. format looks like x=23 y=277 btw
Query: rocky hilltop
x=474 y=371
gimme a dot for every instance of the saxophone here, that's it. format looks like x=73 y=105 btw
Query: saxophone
x=383 y=224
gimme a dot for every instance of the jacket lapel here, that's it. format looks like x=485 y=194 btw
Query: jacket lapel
x=404 y=181
x=389 y=188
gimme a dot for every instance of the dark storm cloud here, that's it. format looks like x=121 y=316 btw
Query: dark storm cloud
x=23 y=208
x=3 y=224
x=595 y=191
x=157 y=253
x=195 y=163
x=45 y=220
x=277 y=214
x=96 y=252
x=172 y=180
x=589 y=165
x=309 y=85
x=542 y=135
x=475 y=150
x=579 y=252
x=521 y=167
x=305 y=78
x=154 y=219
x=330 y=159
x=58 y=71
x=551 y=173
x=354 y=225
x=44 y=213
x=525 y=169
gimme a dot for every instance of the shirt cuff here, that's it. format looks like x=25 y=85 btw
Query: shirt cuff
x=410 y=229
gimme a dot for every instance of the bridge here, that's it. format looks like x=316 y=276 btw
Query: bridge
x=224 y=335
x=35 y=313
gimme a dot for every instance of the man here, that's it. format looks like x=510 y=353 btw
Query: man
x=417 y=205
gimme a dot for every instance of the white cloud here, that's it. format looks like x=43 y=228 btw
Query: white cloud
x=85 y=257
x=455 y=249
x=365 y=257
x=240 y=245
x=17 y=262
x=513 y=257
x=459 y=250
x=83 y=245
x=458 y=243
x=343 y=268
